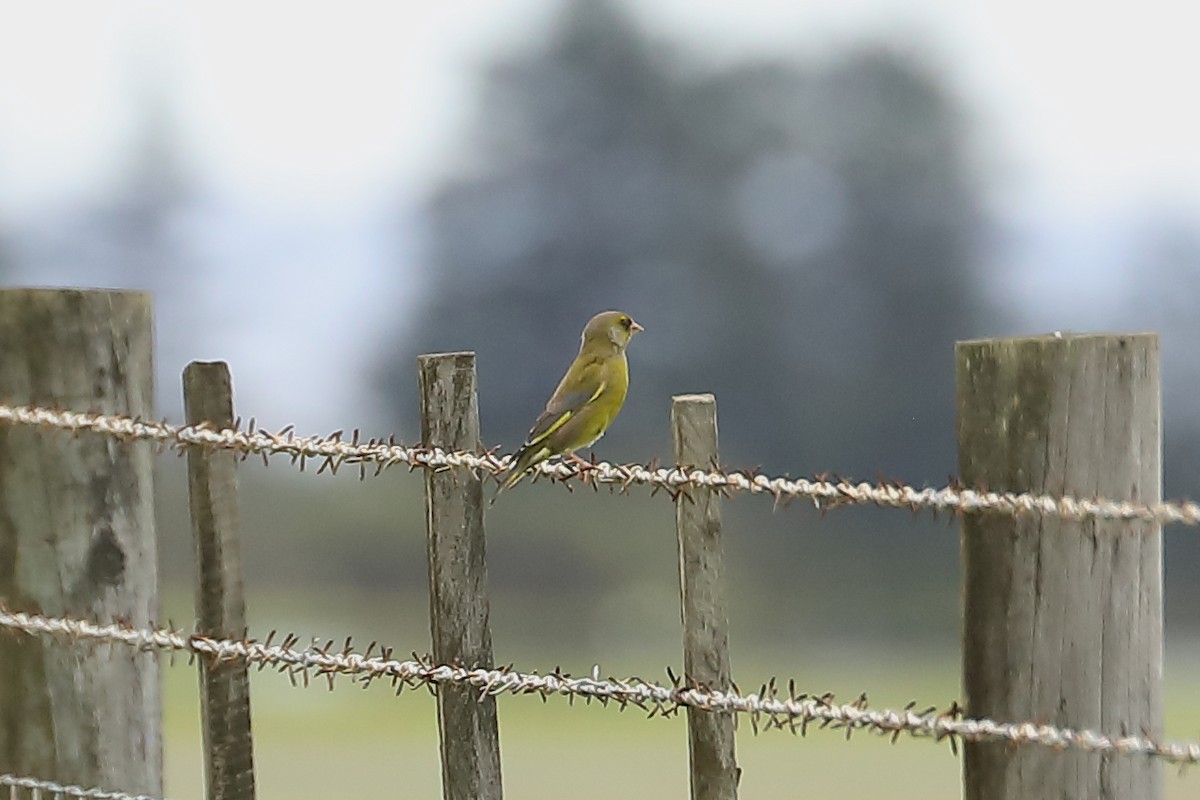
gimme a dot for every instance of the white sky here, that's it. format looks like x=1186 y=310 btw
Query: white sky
x=311 y=124
x=287 y=102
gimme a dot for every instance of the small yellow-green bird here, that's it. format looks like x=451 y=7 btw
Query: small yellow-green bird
x=587 y=399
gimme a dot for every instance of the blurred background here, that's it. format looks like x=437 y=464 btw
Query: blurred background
x=805 y=205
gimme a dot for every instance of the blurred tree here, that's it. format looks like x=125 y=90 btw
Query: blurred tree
x=1163 y=260
x=798 y=242
x=132 y=233
x=6 y=260
x=135 y=231
x=139 y=221
x=7 y=246
x=1164 y=256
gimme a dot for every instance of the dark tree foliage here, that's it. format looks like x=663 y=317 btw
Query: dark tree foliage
x=798 y=241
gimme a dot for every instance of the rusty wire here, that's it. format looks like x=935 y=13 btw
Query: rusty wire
x=44 y=788
x=773 y=706
x=335 y=451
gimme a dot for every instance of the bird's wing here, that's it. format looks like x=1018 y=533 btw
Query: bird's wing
x=567 y=402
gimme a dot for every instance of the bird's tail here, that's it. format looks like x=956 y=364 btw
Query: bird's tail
x=522 y=462
x=512 y=480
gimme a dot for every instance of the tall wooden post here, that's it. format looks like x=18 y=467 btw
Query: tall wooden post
x=458 y=600
x=1062 y=621
x=220 y=599
x=711 y=754
x=77 y=539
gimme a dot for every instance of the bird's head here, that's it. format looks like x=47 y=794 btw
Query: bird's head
x=610 y=329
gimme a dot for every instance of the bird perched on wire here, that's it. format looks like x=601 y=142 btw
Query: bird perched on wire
x=587 y=399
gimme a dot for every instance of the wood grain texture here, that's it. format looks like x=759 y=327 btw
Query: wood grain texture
x=458 y=600
x=77 y=539
x=711 y=747
x=1062 y=621
x=220 y=595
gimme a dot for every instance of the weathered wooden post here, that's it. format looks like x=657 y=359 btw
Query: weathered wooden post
x=1062 y=621
x=220 y=599
x=458 y=599
x=711 y=753
x=77 y=539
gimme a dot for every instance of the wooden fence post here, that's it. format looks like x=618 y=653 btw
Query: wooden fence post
x=220 y=600
x=77 y=539
x=458 y=600
x=1062 y=621
x=714 y=770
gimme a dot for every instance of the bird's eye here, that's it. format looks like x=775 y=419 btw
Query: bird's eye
x=626 y=322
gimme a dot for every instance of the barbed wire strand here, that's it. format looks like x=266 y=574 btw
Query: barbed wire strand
x=52 y=789
x=772 y=707
x=333 y=452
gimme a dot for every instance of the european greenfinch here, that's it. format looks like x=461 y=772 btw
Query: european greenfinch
x=587 y=398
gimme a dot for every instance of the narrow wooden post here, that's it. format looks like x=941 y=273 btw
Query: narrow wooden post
x=1062 y=621
x=714 y=770
x=458 y=600
x=77 y=539
x=220 y=600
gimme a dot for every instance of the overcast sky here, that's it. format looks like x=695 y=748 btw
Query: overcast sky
x=298 y=103
x=314 y=128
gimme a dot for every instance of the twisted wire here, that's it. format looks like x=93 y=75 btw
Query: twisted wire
x=53 y=789
x=333 y=452
x=772 y=707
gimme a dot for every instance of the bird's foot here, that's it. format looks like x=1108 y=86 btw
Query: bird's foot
x=577 y=462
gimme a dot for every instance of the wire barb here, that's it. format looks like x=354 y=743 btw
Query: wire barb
x=770 y=706
x=825 y=492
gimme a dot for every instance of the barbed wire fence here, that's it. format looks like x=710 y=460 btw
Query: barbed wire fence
x=372 y=456
x=774 y=706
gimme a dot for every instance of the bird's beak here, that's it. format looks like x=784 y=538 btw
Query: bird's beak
x=635 y=328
